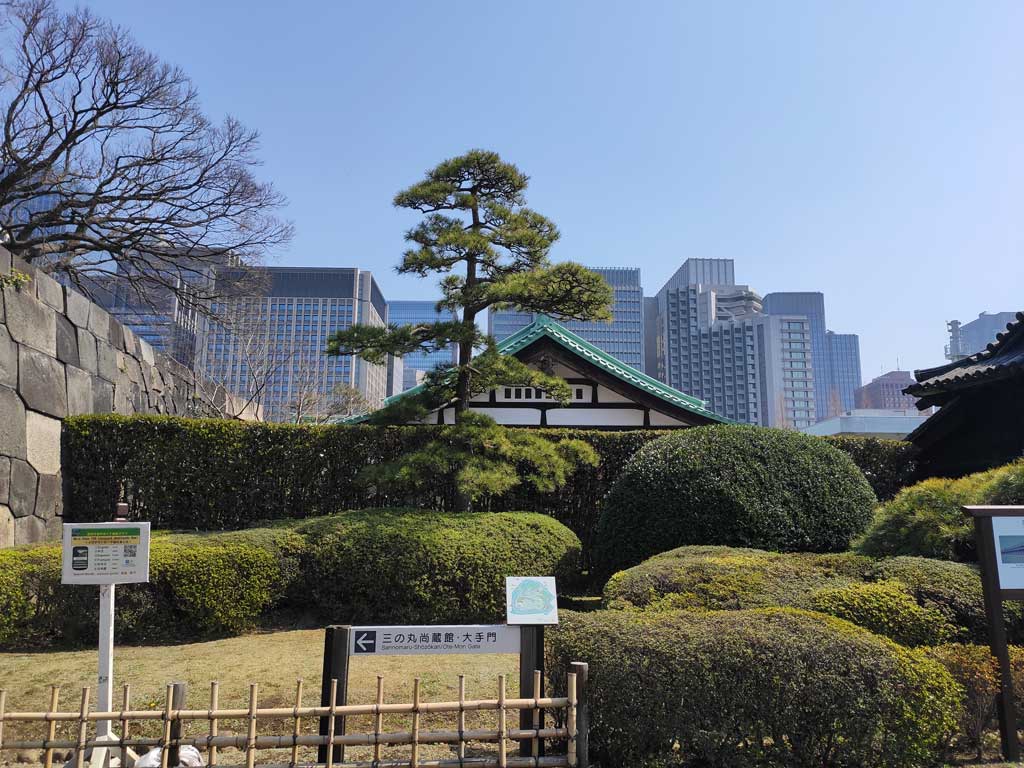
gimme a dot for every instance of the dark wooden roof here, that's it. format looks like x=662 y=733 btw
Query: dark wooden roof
x=1003 y=358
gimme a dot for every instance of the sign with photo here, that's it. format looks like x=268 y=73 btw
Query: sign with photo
x=1009 y=545
x=105 y=553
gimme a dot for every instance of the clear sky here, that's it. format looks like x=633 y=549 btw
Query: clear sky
x=873 y=151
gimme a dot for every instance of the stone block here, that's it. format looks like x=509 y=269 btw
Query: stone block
x=79 y=391
x=146 y=351
x=43 y=437
x=29 y=530
x=106 y=360
x=87 y=351
x=99 y=322
x=22 y=499
x=77 y=308
x=122 y=403
x=8 y=360
x=67 y=341
x=49 y=502
x=5 y=260
x=49 y=291
x=116 y=335
x=5 y=479
x=31 y=322
x=41 y=383
x=12 y=424
x=102 y=396
x=6 y=527
x=131 y=342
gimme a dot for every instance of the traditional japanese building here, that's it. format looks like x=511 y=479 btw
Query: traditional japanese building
x=980 y=423
x=606 y=393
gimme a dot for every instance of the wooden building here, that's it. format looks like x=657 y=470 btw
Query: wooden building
x=606 y=394
x=980 y=423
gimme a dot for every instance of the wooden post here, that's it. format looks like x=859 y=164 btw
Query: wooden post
x=582 y=672
x=336 y=644
x=985 y=542
x=178 y=693
x=531 y=659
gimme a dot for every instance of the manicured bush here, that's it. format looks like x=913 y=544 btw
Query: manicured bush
x=926 y=519
x=888 y=465
x=977 y=672
x=775 y=687
x=885 y=608
x=735 y=485
x=415 y=566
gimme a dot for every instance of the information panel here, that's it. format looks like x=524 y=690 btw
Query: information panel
x=105 y=553
x=1009 y=546
x=454 y=638
x=531 y=600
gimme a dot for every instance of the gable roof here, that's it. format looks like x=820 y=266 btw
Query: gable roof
x=1003 y=357
x=546 y=328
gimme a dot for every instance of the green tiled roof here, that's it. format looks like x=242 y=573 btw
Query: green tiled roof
x=545 y=326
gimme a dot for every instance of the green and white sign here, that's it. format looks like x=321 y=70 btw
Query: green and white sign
x=531 y=600
x=105 y=553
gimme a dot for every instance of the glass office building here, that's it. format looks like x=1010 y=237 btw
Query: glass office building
x=623 y=338
x=844 y=365
x=413 y=313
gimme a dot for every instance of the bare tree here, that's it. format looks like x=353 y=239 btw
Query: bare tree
x=108 y=167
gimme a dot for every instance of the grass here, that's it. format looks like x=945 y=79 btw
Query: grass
x=273 y=660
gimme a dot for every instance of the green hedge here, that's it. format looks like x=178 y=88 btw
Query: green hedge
x=772 y=687
x=735 y=485
x=402 y=566
x=216 y=474
x=926 y=519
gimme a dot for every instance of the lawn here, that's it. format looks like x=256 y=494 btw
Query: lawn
x=273 y=660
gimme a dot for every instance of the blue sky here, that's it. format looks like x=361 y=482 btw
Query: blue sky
x=871 y=150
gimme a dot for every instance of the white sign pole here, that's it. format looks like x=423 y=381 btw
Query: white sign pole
x=104 y=691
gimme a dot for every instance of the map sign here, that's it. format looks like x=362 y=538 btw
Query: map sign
x=418 y=639
x=105 y=553
x=531 y=600
x=1009 y=543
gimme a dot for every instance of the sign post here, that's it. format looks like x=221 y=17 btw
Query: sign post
x=105 y=554
x=999 y=537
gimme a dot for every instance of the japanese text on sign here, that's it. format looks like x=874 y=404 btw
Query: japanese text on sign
x=105 y=553
x=409 y=640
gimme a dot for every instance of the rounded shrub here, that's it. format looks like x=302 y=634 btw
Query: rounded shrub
x=736 y=485
x=885 y=608
x=977 y=672
x=413 y=566
x=761 y=687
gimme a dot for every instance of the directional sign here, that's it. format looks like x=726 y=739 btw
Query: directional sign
x=454 y=638
x=105 y=553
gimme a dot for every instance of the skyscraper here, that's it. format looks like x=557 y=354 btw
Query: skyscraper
x=271 y=348
x=844 y=367
x=886 y=392
x=623 y=338
x=967 y=338
x=412 y=313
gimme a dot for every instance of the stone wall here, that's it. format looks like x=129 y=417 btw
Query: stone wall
x=61 y=355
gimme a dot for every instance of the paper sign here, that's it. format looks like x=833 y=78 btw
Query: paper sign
x=1009 y=544
x=531 y=600
x=455 y=638
x=105 y=553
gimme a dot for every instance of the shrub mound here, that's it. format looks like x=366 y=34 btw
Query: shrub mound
x=734 y=485
x=753 y=688
x=926 y=520
x=404 y=566
x=885 y=608
x=429 y=567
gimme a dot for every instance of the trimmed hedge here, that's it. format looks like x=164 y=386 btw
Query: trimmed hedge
x=775 y=687
x=402 y=566
x=217 y=474
x=926 y=519
x=734 y=485
x=429 y=567
x=977 y=672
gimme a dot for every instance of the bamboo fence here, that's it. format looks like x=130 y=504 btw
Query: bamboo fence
x=174 y=721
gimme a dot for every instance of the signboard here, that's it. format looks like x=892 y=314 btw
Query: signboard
x=455 y=638
x=531 y=600
x=1008 y=534
x=105 y=553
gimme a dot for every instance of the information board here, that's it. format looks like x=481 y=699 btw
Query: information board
x=105 y=553
x=531 y=600
x=454 y=638
x=1008 y=533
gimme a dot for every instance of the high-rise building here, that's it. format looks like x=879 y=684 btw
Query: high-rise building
x=413 y=313
x=623 y=337
x=714 y=341
x=844 y=367
x=271 y=347
x=967 y=338
x=886 y=392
